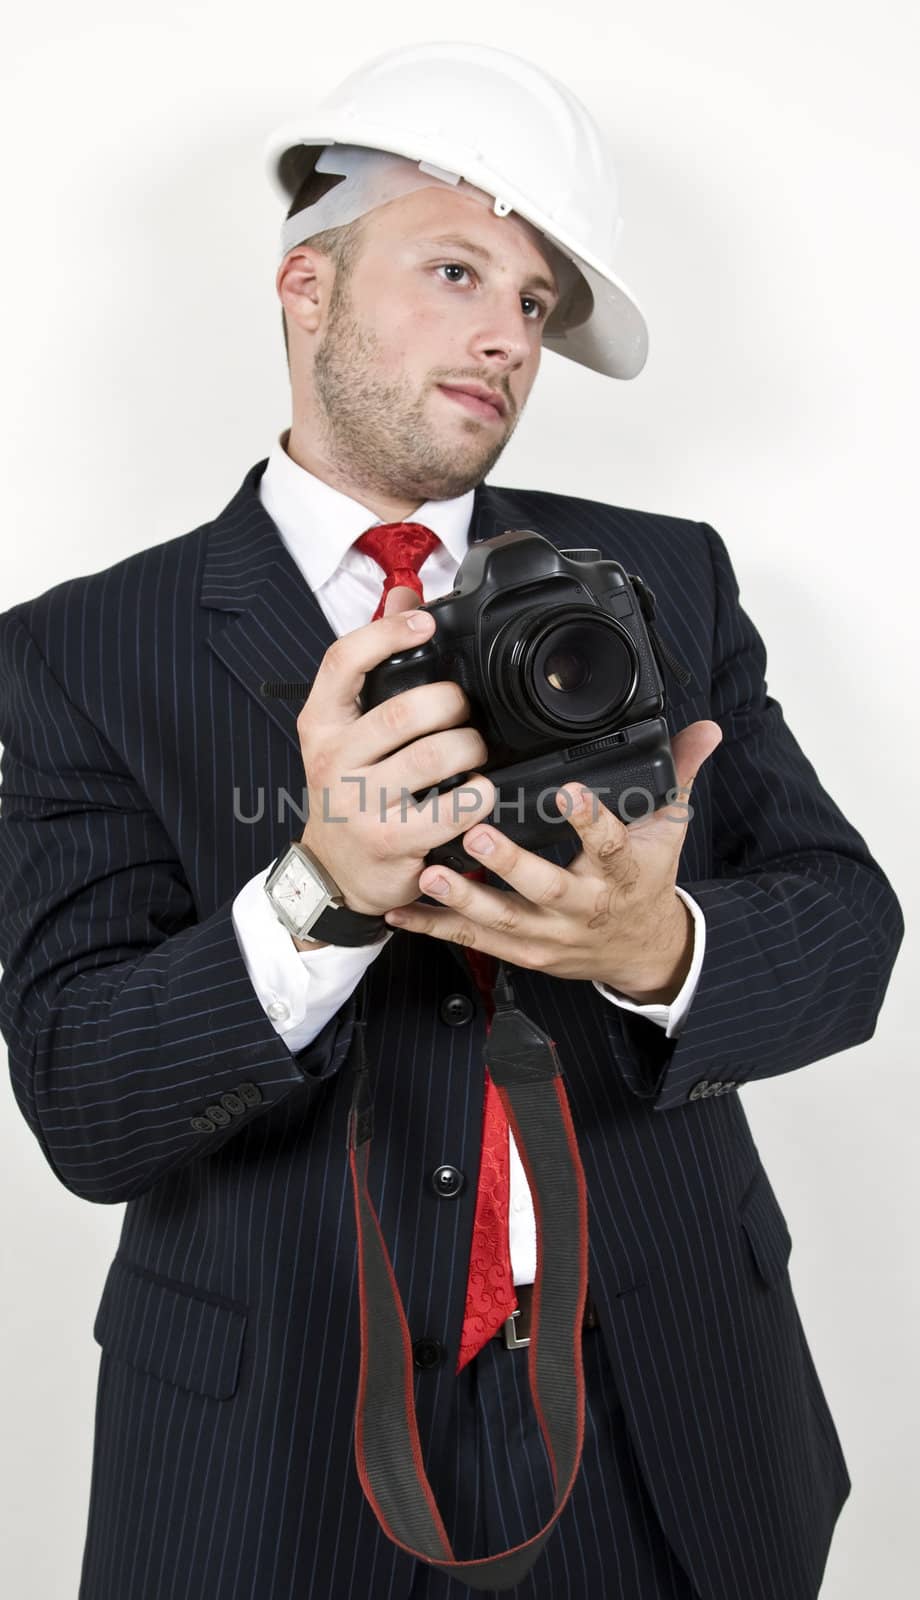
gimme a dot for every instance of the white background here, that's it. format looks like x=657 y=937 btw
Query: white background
x=768 y=168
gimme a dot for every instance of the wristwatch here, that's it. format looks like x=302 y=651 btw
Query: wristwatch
x=310 y=904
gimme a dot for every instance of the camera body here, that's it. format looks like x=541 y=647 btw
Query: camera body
x=553 y=651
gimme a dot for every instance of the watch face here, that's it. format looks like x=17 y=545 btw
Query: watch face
x=297 y=893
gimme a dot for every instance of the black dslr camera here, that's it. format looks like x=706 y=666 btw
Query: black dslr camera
x=558 y=656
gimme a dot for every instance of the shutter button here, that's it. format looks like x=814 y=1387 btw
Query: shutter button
x=447 y=1182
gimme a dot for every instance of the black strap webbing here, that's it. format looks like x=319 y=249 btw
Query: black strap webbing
x=526 y=1072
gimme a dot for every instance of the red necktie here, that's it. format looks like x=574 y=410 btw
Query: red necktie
x=490 y=1296
x=400 y=548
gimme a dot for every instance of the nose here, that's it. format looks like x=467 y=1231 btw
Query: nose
x=504 y=335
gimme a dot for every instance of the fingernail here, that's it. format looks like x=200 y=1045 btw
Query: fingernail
x=419 y=620
x=569 y=800
x=481 y=843
x=437 y=886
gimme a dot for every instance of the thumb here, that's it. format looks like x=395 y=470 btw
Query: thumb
x=400 y=598
x=691 y=747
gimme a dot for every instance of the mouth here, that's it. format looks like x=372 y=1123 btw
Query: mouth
x=478 y=400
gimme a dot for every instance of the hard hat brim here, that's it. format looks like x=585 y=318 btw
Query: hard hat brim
x=613 y=339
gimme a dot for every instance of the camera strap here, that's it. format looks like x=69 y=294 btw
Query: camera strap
x=526 y=1071
x=664 y=655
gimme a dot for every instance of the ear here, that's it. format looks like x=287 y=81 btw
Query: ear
x=303 y=284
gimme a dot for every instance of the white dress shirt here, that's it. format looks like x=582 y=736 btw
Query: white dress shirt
x=301 y=989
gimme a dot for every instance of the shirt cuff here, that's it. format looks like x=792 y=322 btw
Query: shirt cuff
x=670 y=1017
x=300 y=990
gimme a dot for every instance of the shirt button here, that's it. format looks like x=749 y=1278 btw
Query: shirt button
x=517 y=1203
x=278 y=1011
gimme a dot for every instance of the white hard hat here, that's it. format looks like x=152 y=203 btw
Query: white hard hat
x=466 y=112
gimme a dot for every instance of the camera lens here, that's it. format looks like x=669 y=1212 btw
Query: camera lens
x=569 y=669
x=566 y=670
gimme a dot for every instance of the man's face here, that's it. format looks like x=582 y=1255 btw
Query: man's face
x=443 y=292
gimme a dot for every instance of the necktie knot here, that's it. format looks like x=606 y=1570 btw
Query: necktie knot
x=399 y=548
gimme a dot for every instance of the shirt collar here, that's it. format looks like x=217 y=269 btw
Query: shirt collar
x=319 y=524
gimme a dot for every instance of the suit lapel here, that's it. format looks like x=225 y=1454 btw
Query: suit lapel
x=274 y=627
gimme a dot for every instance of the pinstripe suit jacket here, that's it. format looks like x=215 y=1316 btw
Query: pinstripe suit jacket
x=136 y=744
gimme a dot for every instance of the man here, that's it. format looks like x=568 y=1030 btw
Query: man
x=175 y=1046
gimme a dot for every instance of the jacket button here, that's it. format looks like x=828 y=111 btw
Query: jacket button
x=447 y=1182
x=233 y=1103
x=428 y=1353
x=218 y=1116
x=202 y=1125
x=456 y=1009
x=250 y=1094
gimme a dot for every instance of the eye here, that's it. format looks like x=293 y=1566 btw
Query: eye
x=454 y=266
x=536 y=315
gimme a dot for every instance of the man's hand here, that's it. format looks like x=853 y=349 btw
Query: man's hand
x=611 y=915
x=363 y=768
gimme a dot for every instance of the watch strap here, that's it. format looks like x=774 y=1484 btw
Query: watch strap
x=341 y=925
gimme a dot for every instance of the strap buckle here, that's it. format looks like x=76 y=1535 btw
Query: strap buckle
x=512 y=1342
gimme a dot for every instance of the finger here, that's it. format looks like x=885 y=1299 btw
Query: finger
x=605 y=840
x=499 y=910
x=401 y=598
x=539 y=882
x=349 y=658
x=428 y=708
x=434 y=820
x=410 y=828
x=440 y=923
x=434 y=759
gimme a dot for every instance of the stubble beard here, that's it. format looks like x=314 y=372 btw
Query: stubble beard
x=377 y=434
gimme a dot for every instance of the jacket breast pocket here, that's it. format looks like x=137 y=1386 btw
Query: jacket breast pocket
x=171 y=1330
x=764 y=1224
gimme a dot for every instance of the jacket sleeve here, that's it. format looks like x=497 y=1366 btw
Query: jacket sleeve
x=136 y=1040
x=802 y=925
